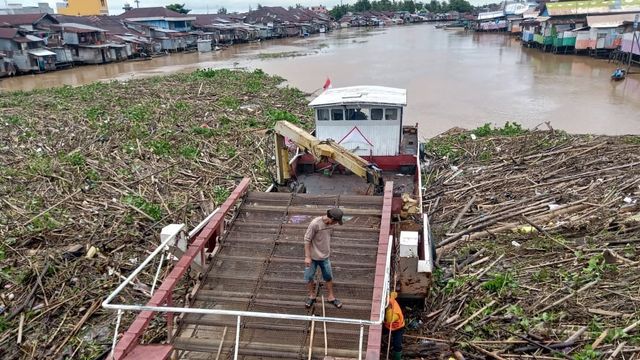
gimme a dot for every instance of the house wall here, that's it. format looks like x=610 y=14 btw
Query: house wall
x=70 y=38
x=627 y=41
x=92 y=55
x=8 y=45
x=582 y=40
x=84 y=7
x=23 y=63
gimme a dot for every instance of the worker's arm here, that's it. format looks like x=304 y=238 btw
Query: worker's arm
x=307 y=253
x=308 y=237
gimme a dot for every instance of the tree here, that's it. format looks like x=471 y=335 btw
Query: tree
x=362 y=5
x=179 y=8
x=460 y=6
x=222 y=11
x=409 y=6
x=339 y=11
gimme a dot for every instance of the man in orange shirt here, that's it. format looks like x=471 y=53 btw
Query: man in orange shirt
x=394 y=322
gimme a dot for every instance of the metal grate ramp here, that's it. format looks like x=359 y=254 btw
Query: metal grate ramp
x=259 y=267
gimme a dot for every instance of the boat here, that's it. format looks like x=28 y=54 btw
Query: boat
x=440 y=26
x=363 y=157
x=618 y=74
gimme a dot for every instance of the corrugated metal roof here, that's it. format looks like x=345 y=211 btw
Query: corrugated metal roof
x=609 y=21
x=77 y=28
x=592 y=7
x=490 y=15
x=8 y=33
x=41 y=52
x=362 y=95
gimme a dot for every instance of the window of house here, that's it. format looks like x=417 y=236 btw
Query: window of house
x=377 y=114
x=323 y=114
x=391 y=114
x=337 y=114
x=356 y=114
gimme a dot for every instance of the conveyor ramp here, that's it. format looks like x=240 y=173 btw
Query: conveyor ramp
x=259 y=267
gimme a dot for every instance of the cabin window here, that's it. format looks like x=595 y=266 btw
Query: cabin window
x=356 y=114
x=337 y=114
x=391 y=114
x=323 y=114
x=377 y=114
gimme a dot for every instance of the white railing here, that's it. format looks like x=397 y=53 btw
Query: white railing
x=107 y=303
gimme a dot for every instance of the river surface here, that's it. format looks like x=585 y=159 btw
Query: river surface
x=453 y=78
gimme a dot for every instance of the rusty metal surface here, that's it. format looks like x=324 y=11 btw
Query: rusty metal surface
x=259 y=267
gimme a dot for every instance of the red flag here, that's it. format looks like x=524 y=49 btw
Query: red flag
x=327 y=84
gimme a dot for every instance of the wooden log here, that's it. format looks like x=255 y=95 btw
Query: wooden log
x=475 y=314
x=462 y=212
x=558 y=302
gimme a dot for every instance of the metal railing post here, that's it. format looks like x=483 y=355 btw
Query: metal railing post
x=360 y=343
x=155 y=279
x=235 y=355
x=115 y=335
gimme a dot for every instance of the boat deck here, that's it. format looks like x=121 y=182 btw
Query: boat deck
x=259 y=267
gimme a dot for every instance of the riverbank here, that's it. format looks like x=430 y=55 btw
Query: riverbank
x=538 y=245
x=91 y=174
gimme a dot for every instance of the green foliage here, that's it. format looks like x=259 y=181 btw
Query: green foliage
x=75 y=159
x=615 y=334
x=509 y=129
x=541 y=275
x=40 y=164
x=137 y=113
x=444 y=148
x=5 y=324
x=220 y=194
x=229 y=102
x=587 y=354
x=596 y=267
x=160 y=147
x=3 y=253
x=179 y=8
x=181 y=106
x=457 y=283
x=189 y=152
x=632 y=139
x=14 y=120
x=149 y=208
x=500 y=283
x=203 y=131
x=275 y=115
x=434 y=6
x=94 y=113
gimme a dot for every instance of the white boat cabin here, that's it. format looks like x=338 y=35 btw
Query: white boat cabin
x=367 y=120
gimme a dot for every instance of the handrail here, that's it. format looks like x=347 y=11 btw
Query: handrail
x=165 y=298
x=184 y=310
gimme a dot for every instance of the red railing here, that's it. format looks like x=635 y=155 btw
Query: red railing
x=206 y=239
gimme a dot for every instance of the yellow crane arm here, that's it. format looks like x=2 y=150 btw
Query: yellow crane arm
x=319 y=149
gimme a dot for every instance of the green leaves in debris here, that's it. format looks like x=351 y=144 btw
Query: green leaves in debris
x=509 y=129
x=153 y=210
x=500 y=283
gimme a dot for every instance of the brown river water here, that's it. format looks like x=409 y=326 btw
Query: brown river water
x=453 y=78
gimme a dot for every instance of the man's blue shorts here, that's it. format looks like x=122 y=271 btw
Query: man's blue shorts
x=325 y=267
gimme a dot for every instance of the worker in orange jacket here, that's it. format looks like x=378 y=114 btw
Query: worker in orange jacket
x=394 y=322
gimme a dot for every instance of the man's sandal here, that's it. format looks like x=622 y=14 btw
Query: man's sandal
x=309 y=303
x=337 y=303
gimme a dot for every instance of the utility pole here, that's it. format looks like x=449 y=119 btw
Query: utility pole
x=137 y=3
x=633 y=41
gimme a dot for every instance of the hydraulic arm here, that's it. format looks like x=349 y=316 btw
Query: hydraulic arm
x=320 y=149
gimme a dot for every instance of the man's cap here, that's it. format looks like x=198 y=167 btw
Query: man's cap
x=335 y=214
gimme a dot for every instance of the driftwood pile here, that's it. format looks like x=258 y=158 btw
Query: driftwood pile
x=90 y=175
x=539 y=246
